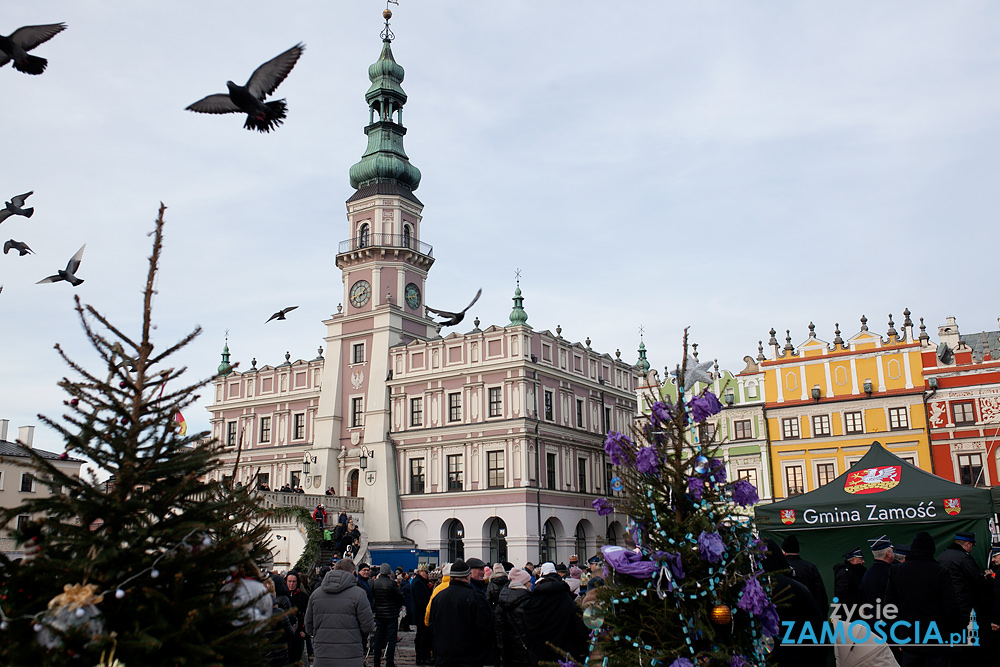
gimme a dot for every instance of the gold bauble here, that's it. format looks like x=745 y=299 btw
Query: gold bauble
x=721 y=614
x=387 y=14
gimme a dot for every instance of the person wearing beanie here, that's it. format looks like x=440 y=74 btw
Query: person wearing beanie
x=510 y=627
x=573 y=580
x=388 y=600
x=498 y=581
x=923 y=591
x=805 y=572
x=553 y=618
x=462 y=622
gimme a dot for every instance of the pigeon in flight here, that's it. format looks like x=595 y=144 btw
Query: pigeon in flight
x=16 y=46
x=69 y=275
x=451 y=319
x=14 y=207
x=20 y=246
x=249 y=99
x=280 y=315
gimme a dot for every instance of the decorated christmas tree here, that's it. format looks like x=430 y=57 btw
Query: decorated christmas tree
x=690 y=592
x=152 y=565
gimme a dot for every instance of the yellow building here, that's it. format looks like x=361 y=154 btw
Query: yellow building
x=826 y=403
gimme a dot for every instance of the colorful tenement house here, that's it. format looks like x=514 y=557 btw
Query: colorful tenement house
x=486 y=444
x=826 y=403
x=962 y=374
x=740 y=427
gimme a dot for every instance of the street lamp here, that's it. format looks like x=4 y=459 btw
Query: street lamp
x=306 y=462
x=363 y=457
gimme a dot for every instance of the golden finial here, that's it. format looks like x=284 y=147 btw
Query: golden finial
x=387 y=14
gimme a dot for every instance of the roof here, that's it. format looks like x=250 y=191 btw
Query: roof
x=384 y=187
x=13 y=449
x=975 y=341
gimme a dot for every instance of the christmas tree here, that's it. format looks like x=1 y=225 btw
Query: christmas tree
x=134 y=567
x=690 y=592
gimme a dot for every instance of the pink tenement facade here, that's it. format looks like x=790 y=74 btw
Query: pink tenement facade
x=487 y=443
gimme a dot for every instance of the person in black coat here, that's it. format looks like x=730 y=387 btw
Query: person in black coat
x=420 y=589
x=462 y=622
x=552 y=617
x=847 y=578
x=922 y=591
x=404 y=587
x=874 y=583
x=805 y=572
x=796 y=604
x=388 y=600
x=965 y=574
x=511 y=631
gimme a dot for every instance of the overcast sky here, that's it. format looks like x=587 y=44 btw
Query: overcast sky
x=728 y=166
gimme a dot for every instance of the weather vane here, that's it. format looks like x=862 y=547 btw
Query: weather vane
x=387 y=14
x=517 y=276
x=642 y=330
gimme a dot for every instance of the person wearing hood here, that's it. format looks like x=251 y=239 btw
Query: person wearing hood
x=462 y=622
x=795 y=605
x=338 y=618
x=510 y=627
x=847 y=578
x=498 y=581
x=574 y=580
x=923 y=591
x=805 y=572
x=388 y=600
x=552 y=617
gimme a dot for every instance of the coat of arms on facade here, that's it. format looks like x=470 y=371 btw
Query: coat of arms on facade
x=952 y=505
x=873 y=480
x=788 y=517
x=370 y=477
x=357 y=379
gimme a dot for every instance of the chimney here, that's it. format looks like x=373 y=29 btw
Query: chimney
x=25 y=435
x=4 y=423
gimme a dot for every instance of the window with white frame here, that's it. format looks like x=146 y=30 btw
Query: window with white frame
x=358 y=353
x=898 y=419
x=357 y=411
x=790 y=428
x=962 y=412
x=853 y=423
x=27 y=483
x=742 y=429
x=231 y=434
x=825 y=473
x=299 y=426
x=455 y=472
x=579 y=413
x=495 y=469
x=416 y=412
x=416 y=475
x=265 y=429
x=821 y=425
x=548 y=405
x=970 y=469
x=794 y=480
x=1 y=479
x=455 y=407
x=749 y=474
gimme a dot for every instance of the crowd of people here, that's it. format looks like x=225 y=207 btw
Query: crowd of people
x=906 y=588
x=464 y=614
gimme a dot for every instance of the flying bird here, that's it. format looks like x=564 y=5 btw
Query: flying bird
x=69 y=275
x=14 y=207
x=20 y=246
x=16 y=46
x=451 y=319
x=280 y=315
x=249 y=99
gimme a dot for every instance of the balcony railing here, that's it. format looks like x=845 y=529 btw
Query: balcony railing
x=385 y=241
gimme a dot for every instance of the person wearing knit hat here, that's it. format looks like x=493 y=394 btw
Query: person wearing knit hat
x=498 y=581
x=462 y=622
x=388 y=602
x=573 y=580
x=562 y=570
x=546 y=568
x=510 y=619
x=804 y=572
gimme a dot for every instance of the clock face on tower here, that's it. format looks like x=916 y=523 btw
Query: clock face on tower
x=361 y=291
x=412 y=295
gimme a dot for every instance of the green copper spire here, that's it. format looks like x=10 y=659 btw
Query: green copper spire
x=385 y=159
x=517 y=315
x=643 y=363
x=225 y=368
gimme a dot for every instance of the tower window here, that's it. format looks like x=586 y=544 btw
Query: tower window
x=407 y=236
x=363 y=235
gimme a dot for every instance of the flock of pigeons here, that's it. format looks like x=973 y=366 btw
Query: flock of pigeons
x=249 y=99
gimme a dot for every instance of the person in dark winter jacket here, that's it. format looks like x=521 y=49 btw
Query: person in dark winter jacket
x=498 y=581
x=300 y=600
x=874 y=583
x=338 y=617
x=364 y=581
x=847 y=578
x=478 y=577
x=281 y=633
x=347 y=536
x=462 y=622
x=805 y=572
x=388 y=600
x=404 y=587
x=922 y=591
x=420 y=589
x=965 y=574
x=796 y=605
x=552 y=616
x=510 y=628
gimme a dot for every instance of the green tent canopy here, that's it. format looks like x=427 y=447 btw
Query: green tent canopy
x=880 y=495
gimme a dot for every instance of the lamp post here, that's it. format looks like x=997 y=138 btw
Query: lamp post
x=363 y=457
x=306 y=462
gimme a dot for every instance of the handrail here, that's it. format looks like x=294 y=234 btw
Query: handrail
x=379 y=240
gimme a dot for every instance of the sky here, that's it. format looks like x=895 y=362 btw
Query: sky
x=724 y=166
